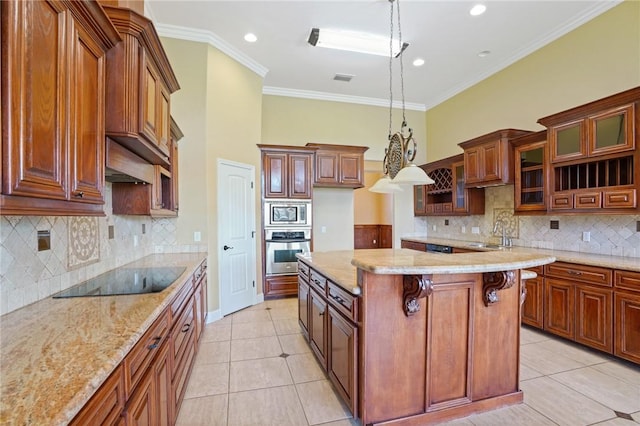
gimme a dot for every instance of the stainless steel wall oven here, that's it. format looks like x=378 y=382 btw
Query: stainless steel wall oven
x=281 y=247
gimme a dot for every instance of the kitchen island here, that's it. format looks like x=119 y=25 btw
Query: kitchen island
x=421 y=337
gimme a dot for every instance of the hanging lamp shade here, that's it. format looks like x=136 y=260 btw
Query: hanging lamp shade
x=412 y=175
x=384 y=185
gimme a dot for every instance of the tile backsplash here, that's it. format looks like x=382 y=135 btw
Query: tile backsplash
x=608 y=234
x=80 y=249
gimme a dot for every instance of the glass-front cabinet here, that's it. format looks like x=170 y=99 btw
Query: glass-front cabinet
x=459 y=194
x=530 y=173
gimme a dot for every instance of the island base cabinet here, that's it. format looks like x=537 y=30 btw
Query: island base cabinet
x=303 y=307
x=318 y=327
x=627 y=331
x=342 y=365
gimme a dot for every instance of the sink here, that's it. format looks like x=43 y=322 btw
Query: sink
x=487 y=246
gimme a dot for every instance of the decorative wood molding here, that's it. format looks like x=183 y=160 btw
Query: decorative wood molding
x=523 y=295
x=494 y=281
x=414 y=288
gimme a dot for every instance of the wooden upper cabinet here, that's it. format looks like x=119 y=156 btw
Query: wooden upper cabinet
x=140 y=81
x=53 y=115
x=488 y=159
x=531 y=158
x=339 y=166
x=286 y=171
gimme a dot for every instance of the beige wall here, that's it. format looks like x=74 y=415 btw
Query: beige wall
x=600 y=58
x=371 y=208
x=219 y=110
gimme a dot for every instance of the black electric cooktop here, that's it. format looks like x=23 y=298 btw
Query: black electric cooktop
x=125 y=281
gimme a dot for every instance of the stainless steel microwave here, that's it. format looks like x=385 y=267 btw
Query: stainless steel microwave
x=287 y=213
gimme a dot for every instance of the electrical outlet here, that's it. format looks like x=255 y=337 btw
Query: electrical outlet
x=446 y=222
x=44 y=240
x=111 y=232
x=434 y=227
x=586 y=236
x=475 y=229
x=197 y=236
x=463 y=229
x=323 y=229
x=135 y=241
x=554 y=224
x=638 y=226
x=144 y=228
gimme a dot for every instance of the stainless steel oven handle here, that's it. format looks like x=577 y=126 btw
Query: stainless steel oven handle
x=287 y=241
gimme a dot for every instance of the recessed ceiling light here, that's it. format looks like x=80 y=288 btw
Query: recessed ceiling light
x=478 y=9
x=418 y=62
x=484 y=53
x=250 y=37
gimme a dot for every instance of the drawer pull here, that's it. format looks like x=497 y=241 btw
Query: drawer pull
x=155 y=344
x=185 y=328
x=338 y=299
x=317 y=282
x=572 y=272
x=321 y=313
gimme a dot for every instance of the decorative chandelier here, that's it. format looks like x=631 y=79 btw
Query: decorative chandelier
x=397 y=165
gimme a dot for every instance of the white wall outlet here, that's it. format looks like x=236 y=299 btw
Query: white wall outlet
x=475 y=230
x=586 y=236
x=463 y=229
x=434 y=227
x=197 y=236
x=135 y=241
x=323 y=229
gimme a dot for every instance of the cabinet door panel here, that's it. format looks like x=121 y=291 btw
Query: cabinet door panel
x=87 y=118
x=275 y=169
x=303 y=306
x=163 y=120
x=627 y=326
x=472 y=162
x=317 y=327
x=342 y=359
x=141 y=407
x=532 y=309
x=34 y=86
x=594 y=318
x=327 y=168
x=351 y=169
x=559 y=315
x=300 y=176
x=491 y=158
x=149 y=90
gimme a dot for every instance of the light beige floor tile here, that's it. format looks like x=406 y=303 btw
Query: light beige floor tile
x=258 y=374
x=216 y=333
x=305 y=368
x=545 y=361
x=252 y=330
x=320 y=402
x=207 y=411
x=269 y=407
x=287 y=326
x=459 y=422
x=345 y=422
x=207 y=380
x=605 y=389
x=213 y=352
x=248 y=316
x=521 y=415
x=294 y=344
x=527 y=373
x=562 y=404
x=636 y=416
x=222 y=321
x=617 y=422
x=288 y=302
x=261 y=347
x=284 y=313
x=573 y=351
x=617 y=369
x=530 y=335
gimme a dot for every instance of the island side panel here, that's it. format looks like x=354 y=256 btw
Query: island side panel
x=450 y=310
x=496 y=343
x=393 y=351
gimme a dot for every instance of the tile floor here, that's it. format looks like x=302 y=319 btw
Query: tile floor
x=254 y=368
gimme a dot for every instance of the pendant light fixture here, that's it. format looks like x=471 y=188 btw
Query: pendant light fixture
x=398 y=156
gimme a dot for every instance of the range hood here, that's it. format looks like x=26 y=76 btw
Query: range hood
x=123 y=165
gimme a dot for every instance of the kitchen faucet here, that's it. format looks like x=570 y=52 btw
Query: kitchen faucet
x=505 y=241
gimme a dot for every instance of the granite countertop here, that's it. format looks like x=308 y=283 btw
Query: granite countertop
x=55 y=353
x=602 y=260
x=340 y=266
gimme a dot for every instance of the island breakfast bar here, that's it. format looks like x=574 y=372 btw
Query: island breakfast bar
x=411 y=338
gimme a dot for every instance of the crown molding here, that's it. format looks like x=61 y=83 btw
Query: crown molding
x=203 y=36
x=597 y=9
x=335 y=97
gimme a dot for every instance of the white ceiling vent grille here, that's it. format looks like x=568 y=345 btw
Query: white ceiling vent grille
x=343 y=77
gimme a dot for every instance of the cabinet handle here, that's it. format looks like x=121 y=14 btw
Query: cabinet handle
x=185 y=328
x=337 y=298
x=572 y=272
x=78 y=194
x=321 y=313
x=317 y=282
x=156 y=342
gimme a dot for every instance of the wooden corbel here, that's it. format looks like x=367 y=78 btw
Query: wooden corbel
x=414 y=288
x=494 y=281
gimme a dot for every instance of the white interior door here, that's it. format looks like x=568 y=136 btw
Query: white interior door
x=236 y=235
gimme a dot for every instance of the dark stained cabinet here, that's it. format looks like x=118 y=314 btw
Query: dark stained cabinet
x=303 y=309
x=286 y=171
x=338 y=166
x=594 y=317
x=318 y=326
x=559 y=317
x=53 y=106
x=627 y=315
x=533 y=306
x=372 y=236
x=531 y=159
x=342 y=365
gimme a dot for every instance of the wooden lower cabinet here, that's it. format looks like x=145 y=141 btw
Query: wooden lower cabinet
x=162 y=373
x=142 y=406
x=627 y=329
x=317 y=326
x=303 y=306
x=559 y=308
x=280 y=286
x=342 y=363
x=594 y=318
x=106 y=405
x=533 y=306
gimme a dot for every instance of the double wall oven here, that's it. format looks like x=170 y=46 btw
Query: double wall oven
x=287 y=231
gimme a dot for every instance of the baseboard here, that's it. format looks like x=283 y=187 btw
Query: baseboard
x=213 y=316
x=259 y=298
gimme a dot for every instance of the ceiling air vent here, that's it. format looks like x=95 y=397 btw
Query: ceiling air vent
x=343 y=77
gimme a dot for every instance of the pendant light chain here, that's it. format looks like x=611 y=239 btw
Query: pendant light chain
x=390 y=68
x=404 y=119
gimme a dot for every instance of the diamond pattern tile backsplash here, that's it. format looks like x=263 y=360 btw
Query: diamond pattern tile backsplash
x=609 y=234
x=80 y=249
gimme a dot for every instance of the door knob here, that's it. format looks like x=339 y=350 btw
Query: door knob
x=226 y=247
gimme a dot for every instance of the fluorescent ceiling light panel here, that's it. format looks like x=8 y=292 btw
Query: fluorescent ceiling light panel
x=354 y=42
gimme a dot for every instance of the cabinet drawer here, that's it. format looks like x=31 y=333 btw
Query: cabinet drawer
x=413 y=245
x=625 y=198
x=537 y=269
x=140 y=357
x=180 y=337
x=586 y=200
x=318 y=282
x=447 y=207
x=303 y=270
x=562 y=201
x=582 y=273
x=344 y=302
x=181 y=299
x=429 y=208
x=627 y=280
